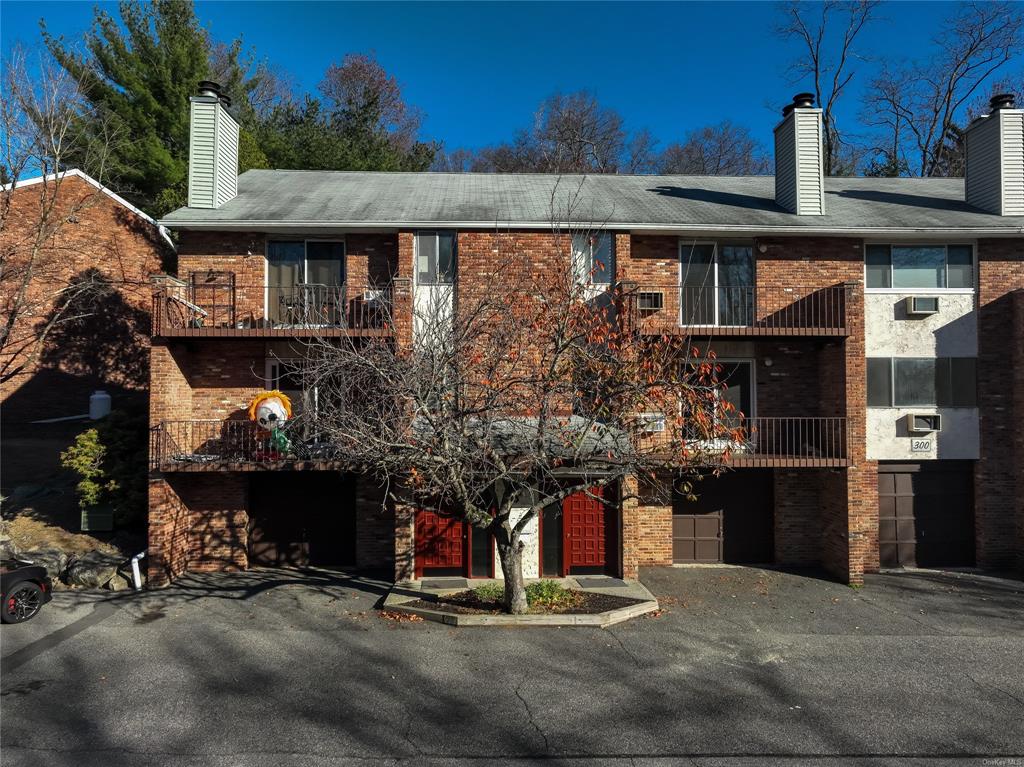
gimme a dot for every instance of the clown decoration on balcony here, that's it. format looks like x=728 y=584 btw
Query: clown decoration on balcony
x=270 y=411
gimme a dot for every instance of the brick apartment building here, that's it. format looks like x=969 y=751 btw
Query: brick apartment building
x=95 y=237
x=872 y=331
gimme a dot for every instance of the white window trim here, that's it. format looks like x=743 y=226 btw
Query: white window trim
x=683 y=242
x=416 y=255
x=610 y=268
x=946 y=243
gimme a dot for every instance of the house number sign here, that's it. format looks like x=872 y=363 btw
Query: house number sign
x=919 y=445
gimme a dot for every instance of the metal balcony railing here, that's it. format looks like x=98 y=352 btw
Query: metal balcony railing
x=747 y=310
x=218 y=306
x=213 y=443
x=190 y=445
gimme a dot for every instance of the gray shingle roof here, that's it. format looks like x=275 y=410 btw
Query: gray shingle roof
x=311 y=199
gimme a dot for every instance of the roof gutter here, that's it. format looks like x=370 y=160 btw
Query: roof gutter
x=805 y=231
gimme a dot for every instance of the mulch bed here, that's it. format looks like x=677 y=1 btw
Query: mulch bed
x=468 y=603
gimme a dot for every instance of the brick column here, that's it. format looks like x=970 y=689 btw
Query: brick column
x=403 y=286
x=405 y=542
x=375 y=525
x=168 y=534
x=997 y=477
x=630 y=531
x=1017 y=344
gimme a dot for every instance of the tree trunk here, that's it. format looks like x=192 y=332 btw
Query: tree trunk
x=510 y=554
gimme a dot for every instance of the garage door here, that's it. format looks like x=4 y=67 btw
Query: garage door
x=731 y=521
x=926 y=514
x=298 y=519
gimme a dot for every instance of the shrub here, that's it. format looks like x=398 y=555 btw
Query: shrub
x=548 y=594
x=490 y=592
x=110 y=461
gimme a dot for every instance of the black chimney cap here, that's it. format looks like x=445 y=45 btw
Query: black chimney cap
x=800 y=101
x=803 y=100
x=1002 y=101
x=225 y=100
x=209 y=88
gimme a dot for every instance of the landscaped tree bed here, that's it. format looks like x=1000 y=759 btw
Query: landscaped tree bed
x=543 y=598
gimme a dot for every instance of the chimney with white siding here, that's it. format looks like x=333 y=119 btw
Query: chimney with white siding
x=212 y=149
x=994 y=162
x=799 y=165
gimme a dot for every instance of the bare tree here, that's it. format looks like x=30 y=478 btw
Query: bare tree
x=827 y=59
x=363 y=90
x=41 y=123
x=528 y=388
x=921 y=109
x=716 y=150
x=571 y=133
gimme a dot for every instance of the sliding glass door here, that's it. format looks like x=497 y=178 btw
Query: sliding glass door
x=716 y=284
x=305 y=282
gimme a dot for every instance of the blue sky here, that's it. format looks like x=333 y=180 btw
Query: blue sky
x=478 y=70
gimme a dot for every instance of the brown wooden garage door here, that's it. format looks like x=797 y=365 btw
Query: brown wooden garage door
x=298 y=519
x=926 y=514
x=731 y=521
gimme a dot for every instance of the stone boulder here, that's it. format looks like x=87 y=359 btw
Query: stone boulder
x=54 y=560
x=93 y=570
x=120 y=582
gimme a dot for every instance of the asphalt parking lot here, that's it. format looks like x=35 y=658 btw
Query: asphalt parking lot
x=743 y=666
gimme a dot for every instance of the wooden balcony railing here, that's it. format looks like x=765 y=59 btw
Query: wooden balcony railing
x=221 y=307
x=749 y=310
x=215 y=445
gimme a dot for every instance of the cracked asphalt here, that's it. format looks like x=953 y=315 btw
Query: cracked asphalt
x=744 y=666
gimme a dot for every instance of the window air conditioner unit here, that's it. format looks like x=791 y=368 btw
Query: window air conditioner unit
x=920 y=306
x=650 y=300
x=924 y=423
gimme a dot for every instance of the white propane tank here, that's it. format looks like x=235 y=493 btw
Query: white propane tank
x=99 y=405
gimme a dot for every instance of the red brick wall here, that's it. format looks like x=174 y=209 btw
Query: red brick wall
x=107 y=350
x=998 y=483
x=243 y=253
x=1017 y=343
x=797 y=517
x=375 y=525
x=198 y=523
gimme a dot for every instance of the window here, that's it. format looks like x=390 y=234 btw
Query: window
x=717 y=282
x=919 y=266
x=435 y=258
x=922 y=381
x=879 y=382
x=305 y=280
x=593 y=257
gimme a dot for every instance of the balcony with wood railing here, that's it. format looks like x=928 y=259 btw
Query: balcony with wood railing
x=736 y=311
x=214 y=305
x=237 y=445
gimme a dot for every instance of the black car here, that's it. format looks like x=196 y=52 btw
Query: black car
x=25 y=588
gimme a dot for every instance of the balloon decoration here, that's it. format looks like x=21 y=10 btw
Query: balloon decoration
x=270 y=411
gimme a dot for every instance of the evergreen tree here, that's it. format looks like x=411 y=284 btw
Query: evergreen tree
x=139 y=78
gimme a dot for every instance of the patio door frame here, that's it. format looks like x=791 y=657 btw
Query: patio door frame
x=715 y=287
x=339 y=240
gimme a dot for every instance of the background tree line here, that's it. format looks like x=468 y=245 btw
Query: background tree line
x=137 y=71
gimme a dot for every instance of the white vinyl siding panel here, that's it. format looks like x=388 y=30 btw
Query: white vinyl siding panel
x=810 y=168
x=201 y=155
x=785 y=165
x=983 y=180
x=1013 y=162
x=799 y=168
x=226 y=157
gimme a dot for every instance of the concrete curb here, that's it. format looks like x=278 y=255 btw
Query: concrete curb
x=397 y=602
